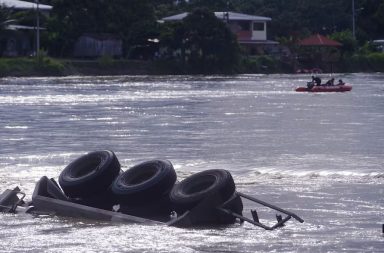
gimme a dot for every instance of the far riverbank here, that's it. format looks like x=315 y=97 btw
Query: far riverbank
x=46 y=66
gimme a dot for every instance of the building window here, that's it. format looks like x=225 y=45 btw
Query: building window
x=245 y=25
x=258 y=26
x=239 y=26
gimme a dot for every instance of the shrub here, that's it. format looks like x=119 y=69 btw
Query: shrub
x=30 y=66
x=3 y=68
x=105 y=61
x=364 y=62
x=49 y=66
x=260 y=64
x=376 y=61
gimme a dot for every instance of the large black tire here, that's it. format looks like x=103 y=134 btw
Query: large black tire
x=90 y=174
x=144 y=182
x=189 y=192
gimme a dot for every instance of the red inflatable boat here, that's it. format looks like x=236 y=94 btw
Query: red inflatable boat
x=321 y=88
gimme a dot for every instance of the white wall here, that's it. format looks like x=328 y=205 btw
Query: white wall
x=258 y=34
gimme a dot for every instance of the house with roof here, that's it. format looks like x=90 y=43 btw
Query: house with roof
x=18 y=40
x=250 y=30
x=23 y=5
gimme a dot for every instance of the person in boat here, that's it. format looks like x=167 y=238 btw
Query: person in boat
x=316 y=80
x=330 y=82
x=340 y=82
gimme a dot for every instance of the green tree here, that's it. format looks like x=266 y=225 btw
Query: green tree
x=212 y=5
x=133 y=20
x=303 y=17
x=370 y=20
x=345 y=38
x=68 y=20
x=5 y=20
x=205 y=43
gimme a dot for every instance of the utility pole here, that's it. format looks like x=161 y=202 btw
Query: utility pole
x=226 y=14
x=37 y=28
x=353 y=19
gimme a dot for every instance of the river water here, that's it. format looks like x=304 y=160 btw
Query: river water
x=318 y=155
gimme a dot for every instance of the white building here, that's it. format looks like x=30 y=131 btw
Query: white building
x=251 y=31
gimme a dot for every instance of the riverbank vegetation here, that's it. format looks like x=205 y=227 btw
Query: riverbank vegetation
x=203 y=44
x=37 y=66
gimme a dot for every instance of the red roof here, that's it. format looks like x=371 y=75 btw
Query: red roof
x=319 y=40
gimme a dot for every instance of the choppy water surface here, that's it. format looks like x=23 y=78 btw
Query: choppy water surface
x=318 y=155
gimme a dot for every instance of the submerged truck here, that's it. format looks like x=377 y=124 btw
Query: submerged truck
x=95 y=187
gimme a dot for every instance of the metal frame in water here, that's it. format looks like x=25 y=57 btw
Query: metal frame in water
x=48 y=198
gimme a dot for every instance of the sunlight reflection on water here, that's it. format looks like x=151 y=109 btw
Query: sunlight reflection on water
x=319 y=155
